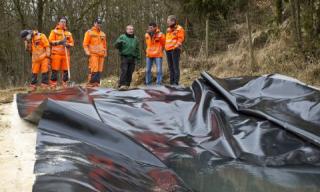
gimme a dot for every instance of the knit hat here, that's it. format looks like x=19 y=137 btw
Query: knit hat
x=172 y=17
x=25 y=33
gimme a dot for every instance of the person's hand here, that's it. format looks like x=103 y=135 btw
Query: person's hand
x=63 y=42
x=139 y=62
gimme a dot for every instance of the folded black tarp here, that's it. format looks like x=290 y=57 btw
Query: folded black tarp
x=235 y=134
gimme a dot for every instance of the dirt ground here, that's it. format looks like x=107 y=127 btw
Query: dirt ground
x=17 y=149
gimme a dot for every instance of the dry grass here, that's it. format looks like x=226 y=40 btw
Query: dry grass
x=275 y=57
x=6 y=96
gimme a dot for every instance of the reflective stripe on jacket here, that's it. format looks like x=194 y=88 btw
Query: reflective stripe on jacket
x=95 y=42
x=174 y=37
x=155 y=44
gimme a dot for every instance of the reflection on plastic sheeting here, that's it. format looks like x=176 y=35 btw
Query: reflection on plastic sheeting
x=236 y=134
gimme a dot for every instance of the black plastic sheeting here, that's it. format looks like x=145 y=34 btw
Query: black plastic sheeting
x=235 y=134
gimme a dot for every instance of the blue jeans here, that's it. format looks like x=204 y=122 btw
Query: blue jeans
x=150 y=62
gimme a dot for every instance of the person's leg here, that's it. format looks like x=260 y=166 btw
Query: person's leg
x=56 y=65
x=94 y=69
x=176 y=67
x=131 y=67
x=64 y=67
x=100 y=70
x=45 y=72
x=124 y=71
x=149 y=62
x=170 y=66
x=159 y=70
x=35 y=71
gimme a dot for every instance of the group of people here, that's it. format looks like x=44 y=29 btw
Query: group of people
x=55 y=52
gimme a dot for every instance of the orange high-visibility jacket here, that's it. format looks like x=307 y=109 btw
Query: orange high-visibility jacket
x=155 y=44
x=174 y=37
x=40 y=47
x=95 y=42
x=57 y=35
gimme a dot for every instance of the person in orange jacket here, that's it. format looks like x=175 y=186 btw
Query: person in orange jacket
x=38 y=45
x=60 y=39
x=174 y=40
x=95 y=47
x=155 y=42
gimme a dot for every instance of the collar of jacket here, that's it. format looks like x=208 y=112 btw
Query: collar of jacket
x=35 y=32
x=170 y=29
x=58 y=27
x=95 y=29
x=130 y=36
x=155 y=33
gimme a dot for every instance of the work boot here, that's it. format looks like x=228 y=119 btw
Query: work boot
x=45 y=86
x=32 y=87
x=64 y=84
x=97 y=84
x=122 y=88
x=90 y=85
x=53 y=85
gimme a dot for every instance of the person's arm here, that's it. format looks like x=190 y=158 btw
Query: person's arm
x=46 y=44
x=70 y=41
x=105 y=46
x=86 y=42
x=119 y=43
x=180 y=37
x=137 y=52
x=28 y=46
x=163 y=40
x=52 y=38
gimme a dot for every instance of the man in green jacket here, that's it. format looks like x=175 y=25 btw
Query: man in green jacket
x=128 y=46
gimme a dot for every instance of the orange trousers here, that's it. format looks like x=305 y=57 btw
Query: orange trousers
x=59 y=62
x=41 y=66
x=95 y=69
x=96 y=63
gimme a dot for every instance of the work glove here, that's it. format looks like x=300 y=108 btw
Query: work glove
x=120 y=44
x=138 y=61
x=63 y=42
x=48 y=52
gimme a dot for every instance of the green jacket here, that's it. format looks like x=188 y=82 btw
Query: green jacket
x=128 y=47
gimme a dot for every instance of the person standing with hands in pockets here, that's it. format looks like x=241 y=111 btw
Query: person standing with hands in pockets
x=129 y=49
x=174 y=40
x=95 y=47
x=155 y=42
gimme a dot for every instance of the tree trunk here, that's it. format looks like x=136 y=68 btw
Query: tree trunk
x=295 y=12
x=40 y=8
x=279 y=10
x=252 y=60
x=18 y=7
x=207 y=37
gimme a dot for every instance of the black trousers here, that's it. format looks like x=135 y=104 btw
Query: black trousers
x=45 y=78
x=54 y=76
x=173 y=58
x=127 y=69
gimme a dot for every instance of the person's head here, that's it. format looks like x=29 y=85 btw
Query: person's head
x=63 y=22
x=97 y=23
x=152 y=27
x=130 y=29
x=172 y=20
x=26 y=35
